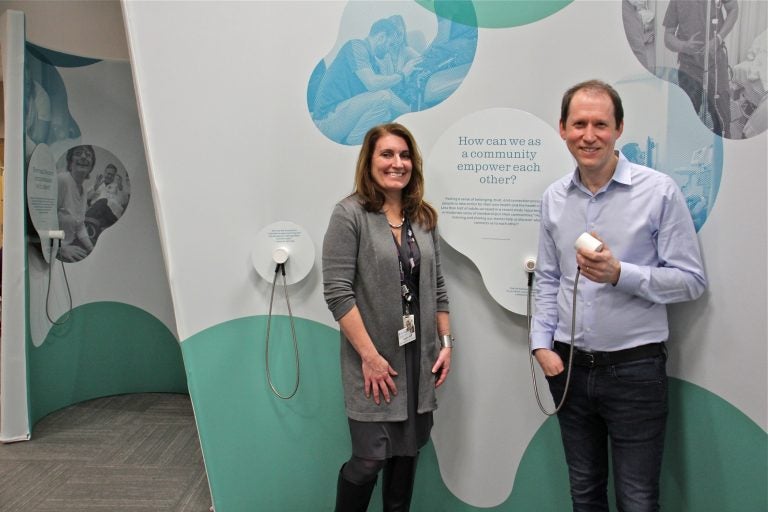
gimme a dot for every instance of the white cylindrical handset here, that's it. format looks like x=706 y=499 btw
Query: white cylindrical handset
x=587 y=241
x=280 y=255
x=55 y=233
x=529 y=264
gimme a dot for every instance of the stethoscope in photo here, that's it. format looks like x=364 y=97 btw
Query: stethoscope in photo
x=587 y=241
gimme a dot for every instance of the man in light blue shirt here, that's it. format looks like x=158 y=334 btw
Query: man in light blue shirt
x=650 y=258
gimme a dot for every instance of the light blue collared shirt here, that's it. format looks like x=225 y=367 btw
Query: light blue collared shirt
x=642 y=217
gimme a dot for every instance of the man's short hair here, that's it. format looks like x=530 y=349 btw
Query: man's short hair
x=383 y=25
x=593 y=86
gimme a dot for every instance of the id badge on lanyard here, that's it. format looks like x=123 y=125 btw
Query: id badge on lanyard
x=408 y=333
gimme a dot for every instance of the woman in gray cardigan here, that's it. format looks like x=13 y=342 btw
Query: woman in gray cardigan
x=383 y=284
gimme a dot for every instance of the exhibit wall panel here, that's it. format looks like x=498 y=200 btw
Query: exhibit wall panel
x=14 y=407
x=95 y=306
x=239 y=135
x=100 y=316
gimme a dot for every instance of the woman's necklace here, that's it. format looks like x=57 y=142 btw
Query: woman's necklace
x=396 y=226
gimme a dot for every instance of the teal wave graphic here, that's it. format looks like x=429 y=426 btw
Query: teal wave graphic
x=59 y=59
x=714 y=460
x=103 y=349
x=262 y=452
x=47 y=118
x=500 y=13
x=258 y=448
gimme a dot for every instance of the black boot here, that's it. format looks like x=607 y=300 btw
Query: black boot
x=351 y=497
x=397 y=488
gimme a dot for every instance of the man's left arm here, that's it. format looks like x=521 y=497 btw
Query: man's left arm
x=679 y=276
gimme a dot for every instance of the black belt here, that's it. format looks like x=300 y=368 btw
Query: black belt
x=592 y=359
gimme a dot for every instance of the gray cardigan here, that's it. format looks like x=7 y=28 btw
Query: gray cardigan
x=360 y=267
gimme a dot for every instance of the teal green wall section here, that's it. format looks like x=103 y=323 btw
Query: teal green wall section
x=105 y=348
x=264 y=453
x=494 y=13
x=716 y=460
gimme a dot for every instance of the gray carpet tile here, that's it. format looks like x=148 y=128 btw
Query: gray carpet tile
x=130 y=453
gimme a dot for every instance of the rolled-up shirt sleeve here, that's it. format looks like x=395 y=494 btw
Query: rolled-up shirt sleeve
x=440 y=289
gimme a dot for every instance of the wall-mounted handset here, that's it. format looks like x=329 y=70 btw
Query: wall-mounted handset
x=529 y=265
x=283 y=250
x=43 y=221
x=280 y=255
x=584 y=241
x=56 y=234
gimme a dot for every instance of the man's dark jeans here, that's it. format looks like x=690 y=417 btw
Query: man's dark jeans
x=625 y=404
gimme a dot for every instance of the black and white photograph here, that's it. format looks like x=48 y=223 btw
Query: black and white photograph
x=716 y=51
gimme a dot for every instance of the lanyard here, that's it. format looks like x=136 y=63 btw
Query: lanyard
x=405 y=290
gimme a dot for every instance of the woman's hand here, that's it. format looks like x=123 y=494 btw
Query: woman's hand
x=378 y=374
x=442 y=366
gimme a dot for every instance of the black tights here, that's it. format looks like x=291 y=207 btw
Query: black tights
x=361 y=471
x=358 y=478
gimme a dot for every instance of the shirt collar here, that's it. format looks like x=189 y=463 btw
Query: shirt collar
x=622 y=174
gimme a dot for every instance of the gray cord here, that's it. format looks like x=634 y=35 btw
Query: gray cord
x=570 y=355
x=51 y=260
x=293 y=334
